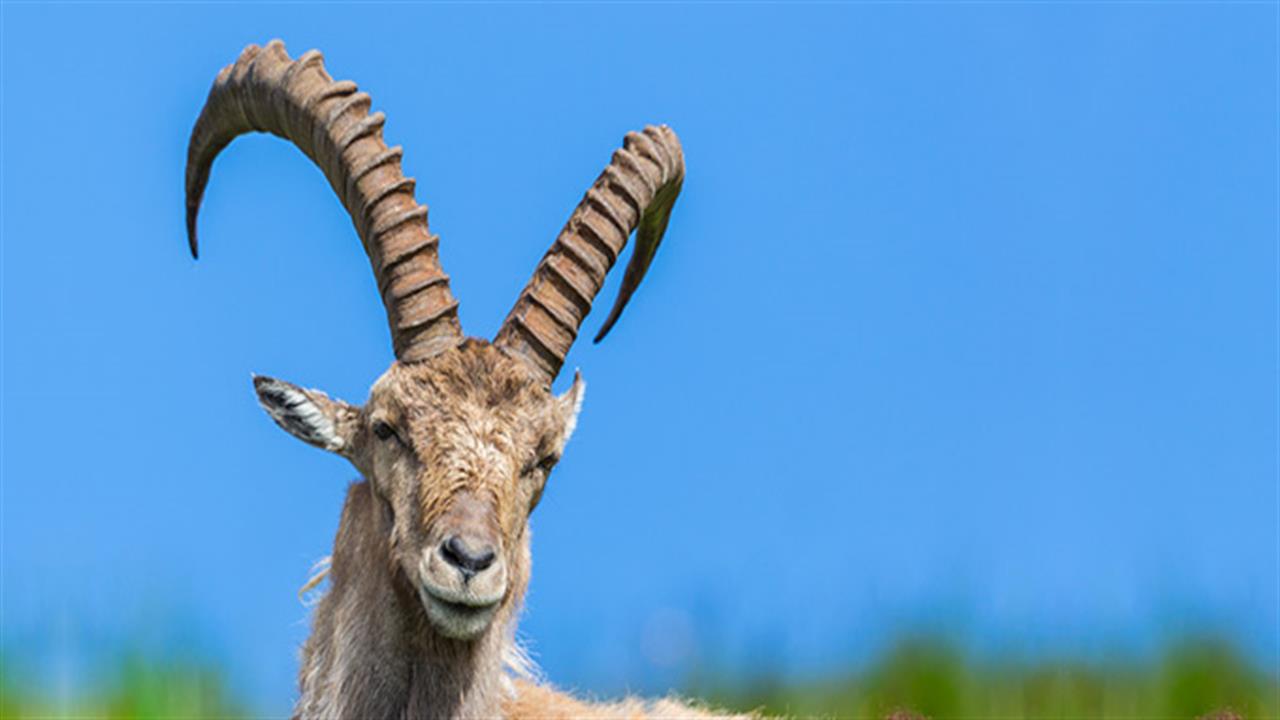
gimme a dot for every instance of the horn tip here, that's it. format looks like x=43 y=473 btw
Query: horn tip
x=193 y=242
x=614 y=314
x=604 y=330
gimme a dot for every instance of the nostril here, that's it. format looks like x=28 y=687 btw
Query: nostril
x=469 y=560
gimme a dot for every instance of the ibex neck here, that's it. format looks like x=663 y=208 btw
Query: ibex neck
x=372 y=652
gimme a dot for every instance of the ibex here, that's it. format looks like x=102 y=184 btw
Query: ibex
x=431 y=559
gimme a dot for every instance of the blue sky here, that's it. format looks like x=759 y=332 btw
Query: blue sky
x=966 y=319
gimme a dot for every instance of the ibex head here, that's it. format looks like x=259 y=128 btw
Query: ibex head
x=459 y=434
x=457 y=448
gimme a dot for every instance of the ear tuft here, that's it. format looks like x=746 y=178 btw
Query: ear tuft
x=309 y=415
x=571 y=404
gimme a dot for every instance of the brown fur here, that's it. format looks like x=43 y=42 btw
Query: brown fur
x=475 y=435
x=538 y=702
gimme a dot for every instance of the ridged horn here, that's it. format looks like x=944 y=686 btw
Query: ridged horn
x=637 y=189
x=266 y=91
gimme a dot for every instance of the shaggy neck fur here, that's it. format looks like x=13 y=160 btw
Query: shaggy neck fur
x=372 y=652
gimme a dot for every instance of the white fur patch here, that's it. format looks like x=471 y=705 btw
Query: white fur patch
x=576 y=393
x=517 y=661
x=308 y=594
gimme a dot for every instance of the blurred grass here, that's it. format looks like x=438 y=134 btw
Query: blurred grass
x=136 y=688
x=931 y=677
x=1190 y=679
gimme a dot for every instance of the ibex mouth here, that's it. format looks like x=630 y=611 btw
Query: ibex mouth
x=458 y=618
x=467 y=601
x=463 y=608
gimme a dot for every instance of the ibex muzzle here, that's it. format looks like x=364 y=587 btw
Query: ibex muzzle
x=463 y=574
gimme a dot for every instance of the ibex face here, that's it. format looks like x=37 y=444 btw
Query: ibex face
x=458 y=436
x=458 y=449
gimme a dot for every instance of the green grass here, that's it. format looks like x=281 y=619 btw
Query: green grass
x=932 y=678
x=137 y=688
x=924 y=676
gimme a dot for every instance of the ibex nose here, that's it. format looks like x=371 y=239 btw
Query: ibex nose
x=470 y=559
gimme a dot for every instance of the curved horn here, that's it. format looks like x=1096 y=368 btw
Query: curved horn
x=266 y=91
x=638 y=188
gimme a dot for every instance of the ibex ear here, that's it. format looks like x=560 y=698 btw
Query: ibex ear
x=570 y=404
x=309 y=415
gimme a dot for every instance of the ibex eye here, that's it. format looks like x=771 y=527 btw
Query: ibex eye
x=383 y=430
x=543 y=465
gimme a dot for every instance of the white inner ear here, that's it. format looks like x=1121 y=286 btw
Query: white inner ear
x=295 y=412
x=572 y=401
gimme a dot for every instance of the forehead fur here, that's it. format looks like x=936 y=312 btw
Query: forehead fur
x=473 y=417
x=475 y=375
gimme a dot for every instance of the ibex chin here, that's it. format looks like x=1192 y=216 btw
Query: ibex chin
x=431 y=559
